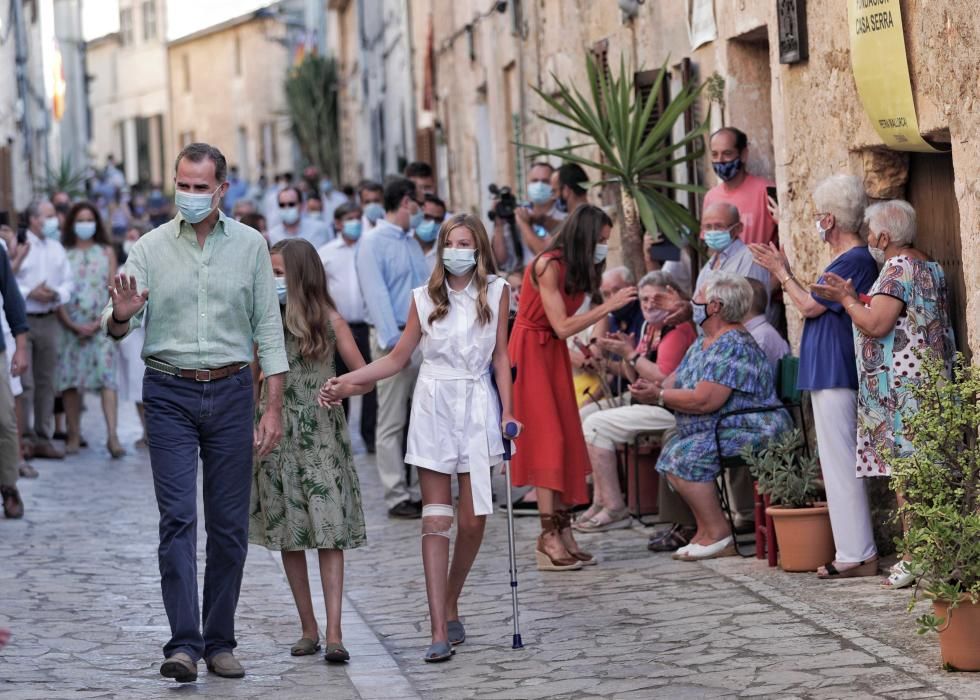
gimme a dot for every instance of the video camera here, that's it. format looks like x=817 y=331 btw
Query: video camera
x=505 y=205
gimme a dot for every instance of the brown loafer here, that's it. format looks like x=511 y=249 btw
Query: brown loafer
x=180 y=667
x=13 y=506
x=225 y=664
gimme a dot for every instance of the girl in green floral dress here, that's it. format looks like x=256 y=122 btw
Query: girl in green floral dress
x=305 y=493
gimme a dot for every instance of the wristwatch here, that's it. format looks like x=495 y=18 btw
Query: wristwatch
x=634 y=359
x=660 y=399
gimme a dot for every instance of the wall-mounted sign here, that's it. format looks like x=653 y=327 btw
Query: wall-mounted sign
x=791 y=15
x=881 y=71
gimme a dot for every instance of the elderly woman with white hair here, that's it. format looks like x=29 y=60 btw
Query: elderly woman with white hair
x=906 y=319
x=828 y=370
x=723 y=371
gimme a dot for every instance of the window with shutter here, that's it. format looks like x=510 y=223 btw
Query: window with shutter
x=645 y=82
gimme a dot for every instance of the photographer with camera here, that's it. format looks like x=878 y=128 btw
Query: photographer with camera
x=522 y=231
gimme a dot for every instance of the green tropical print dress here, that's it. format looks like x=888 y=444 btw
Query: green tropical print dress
x=305 y=493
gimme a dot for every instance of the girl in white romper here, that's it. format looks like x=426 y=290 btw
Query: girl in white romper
x=460 y=320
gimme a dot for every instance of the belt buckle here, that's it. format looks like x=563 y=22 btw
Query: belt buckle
x=202 y=375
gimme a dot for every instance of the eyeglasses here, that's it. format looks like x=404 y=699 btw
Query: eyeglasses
x=288 y=205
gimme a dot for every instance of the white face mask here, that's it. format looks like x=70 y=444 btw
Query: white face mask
x=601 y=250
x=821 y=231
x=459 y=261
x=877 y=253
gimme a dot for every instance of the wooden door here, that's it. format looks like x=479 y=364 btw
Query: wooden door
x=930 y=191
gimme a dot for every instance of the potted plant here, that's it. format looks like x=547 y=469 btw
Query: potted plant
x=940 y=482
x=791 y=479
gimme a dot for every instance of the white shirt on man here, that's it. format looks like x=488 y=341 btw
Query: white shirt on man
x=316 y=232
x=338 y=258
x=45 y=262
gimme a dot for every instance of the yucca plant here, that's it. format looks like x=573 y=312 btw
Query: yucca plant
x=312 y=91
x=634 y=154
x=64 y=178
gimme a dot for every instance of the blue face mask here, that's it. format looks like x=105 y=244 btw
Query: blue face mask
x=718 y=240
x=84 y=229
x=373 y=212
x=726 y=171
x=281 y=289
x=416 y=220
x=427 y=231
x=352 y=229
x=459 y=261
x=325 y=185
x=51 y=229
x=700 y=314
x=195 y=208
x=539 y=192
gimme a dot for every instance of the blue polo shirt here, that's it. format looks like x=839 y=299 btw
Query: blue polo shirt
x=827 y=347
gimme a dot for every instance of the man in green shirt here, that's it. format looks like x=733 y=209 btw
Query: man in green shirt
x=202 y=287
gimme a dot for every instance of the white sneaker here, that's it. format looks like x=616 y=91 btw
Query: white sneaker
x=722 y=548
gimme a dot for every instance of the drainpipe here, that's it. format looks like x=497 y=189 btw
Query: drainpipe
x=23 y=90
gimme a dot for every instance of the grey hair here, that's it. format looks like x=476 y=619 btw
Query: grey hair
x=844 y=197
x=657 y=278
x=622 y=271
x=734 y=293
x=897 y=217
x=196 y=152
x=729 y=208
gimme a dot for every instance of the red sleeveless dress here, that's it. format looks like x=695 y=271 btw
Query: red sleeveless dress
x=551 y=451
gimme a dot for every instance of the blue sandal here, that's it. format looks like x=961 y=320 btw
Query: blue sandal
x=440 y=651
x=457 y=635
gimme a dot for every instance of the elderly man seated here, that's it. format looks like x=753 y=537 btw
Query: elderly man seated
x=652 y=355
x=723 y=371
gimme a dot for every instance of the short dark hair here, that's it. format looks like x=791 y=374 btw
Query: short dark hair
x=541 y=164
x=288 y=188
x=741 y=140
x=571 y=175
x=396 y=189
x=254 y=220
x=345 y=209
x=196 y=152
x=432 y=199
x=369 y=186
x=418 y=168
x=760 y=296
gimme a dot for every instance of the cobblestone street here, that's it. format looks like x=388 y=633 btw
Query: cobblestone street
x=80 y=592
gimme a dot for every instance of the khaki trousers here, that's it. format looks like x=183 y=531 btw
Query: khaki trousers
x=37 y=401
x=9 y=451
x=394 y=394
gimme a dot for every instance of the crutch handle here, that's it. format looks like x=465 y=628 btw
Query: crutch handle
x=511 y=430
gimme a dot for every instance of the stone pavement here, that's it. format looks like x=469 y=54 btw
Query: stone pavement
x=79 y=589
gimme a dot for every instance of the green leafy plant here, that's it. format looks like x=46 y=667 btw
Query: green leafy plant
x=785 y=472
x=715 y=90
x=312 y=90
x=63 y=178
x=635 y=154
x=940 y=482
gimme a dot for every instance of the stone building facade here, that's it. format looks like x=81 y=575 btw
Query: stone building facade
x=804 y=120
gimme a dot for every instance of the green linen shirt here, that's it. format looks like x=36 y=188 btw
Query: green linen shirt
x=209 y=307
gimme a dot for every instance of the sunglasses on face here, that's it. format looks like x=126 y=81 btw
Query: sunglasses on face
x=288 y=205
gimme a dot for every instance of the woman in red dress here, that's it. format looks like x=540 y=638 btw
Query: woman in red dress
x=552 y=455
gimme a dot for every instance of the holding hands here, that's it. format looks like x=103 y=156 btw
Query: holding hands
x=333 y=392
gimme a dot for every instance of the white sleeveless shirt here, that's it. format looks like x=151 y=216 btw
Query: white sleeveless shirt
x=455 y=424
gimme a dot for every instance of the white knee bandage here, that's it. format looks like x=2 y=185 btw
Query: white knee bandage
x=437 y=519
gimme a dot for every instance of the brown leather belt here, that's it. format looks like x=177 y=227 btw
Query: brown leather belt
x=198 y=375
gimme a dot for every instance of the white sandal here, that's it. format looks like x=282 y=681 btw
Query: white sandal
x=901 y=576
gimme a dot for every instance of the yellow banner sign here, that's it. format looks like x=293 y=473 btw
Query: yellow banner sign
x=881 y=71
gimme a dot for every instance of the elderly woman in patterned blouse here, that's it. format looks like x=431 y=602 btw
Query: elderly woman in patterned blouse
x=723 y=371
x=906 y=318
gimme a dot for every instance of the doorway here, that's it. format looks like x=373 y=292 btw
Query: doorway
x=930 y=191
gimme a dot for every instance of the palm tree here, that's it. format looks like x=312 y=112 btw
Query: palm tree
x=312 y=89
x=635 y=154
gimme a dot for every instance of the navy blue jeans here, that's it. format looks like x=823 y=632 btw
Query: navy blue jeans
x=184 y=418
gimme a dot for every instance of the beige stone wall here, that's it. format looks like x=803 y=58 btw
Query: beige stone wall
x=219 y=101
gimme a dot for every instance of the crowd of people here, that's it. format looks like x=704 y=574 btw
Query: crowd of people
x=297 y=297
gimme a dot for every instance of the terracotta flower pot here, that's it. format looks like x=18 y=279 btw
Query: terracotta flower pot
x=959 y=636
x=804 y=536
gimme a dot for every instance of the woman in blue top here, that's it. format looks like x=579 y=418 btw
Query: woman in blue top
x=724 y=371
x=828 y=370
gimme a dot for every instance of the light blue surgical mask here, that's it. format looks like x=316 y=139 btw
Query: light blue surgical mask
x=281 y=289
x=326 y=185
x=459 y=261
x=539 y=192
x=195 y=208
x=427 y=231
x=601 y=251
x=289 y=215
x=51 y=229
x=352 y=229
x=85 y=229
x=373 y=212
x=718 y=240
x=700 y=314
x=417 y=219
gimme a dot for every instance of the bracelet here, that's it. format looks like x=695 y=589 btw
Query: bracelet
x=660 y=399
x=788 y=278
x=853 y=303
x=116 y=320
